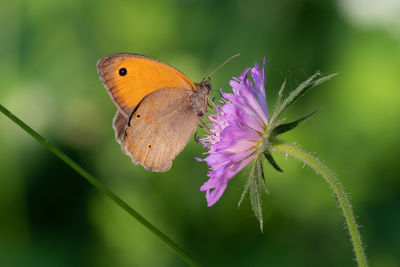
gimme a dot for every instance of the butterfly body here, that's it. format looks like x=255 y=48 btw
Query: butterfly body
x=158 y=107
x=199 y=99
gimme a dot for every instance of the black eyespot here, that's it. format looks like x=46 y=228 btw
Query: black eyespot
x=122 y=71
x=149 y=146
x=138 y=116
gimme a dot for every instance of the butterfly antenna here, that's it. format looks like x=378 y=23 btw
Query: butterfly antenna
x=220 y=66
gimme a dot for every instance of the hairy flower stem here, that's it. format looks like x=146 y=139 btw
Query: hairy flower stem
x=330 y=178
x=99 y=186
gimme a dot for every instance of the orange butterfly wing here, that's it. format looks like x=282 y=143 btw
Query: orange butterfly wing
x=130 y=77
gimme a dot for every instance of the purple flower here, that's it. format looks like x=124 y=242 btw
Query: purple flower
x=237 y=130
x=242 y=133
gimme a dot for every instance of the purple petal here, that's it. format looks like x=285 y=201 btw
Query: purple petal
x=231 y=134
x=216 y=187
x=250 y=99
x=243 y=115
x=259 y=80
x=216 y=159
x=236 y=87
x=243 y=104
x=214 y=195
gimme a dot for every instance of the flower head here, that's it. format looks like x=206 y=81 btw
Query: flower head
x=242 y=133
x=236 y=131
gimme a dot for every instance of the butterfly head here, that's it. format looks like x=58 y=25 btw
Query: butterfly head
x=205 y=86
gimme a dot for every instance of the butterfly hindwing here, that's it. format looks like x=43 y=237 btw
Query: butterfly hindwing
x=160 y=128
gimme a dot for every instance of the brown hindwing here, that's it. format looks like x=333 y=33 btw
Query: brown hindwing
x=160 y=128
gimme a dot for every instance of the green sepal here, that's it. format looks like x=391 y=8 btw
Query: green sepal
x=297 y=93
x=245 y=190
x=254 y=183
x=282 y=128
x=255 y=190
x=260 y=173
x=255 y=200
x=271 y=160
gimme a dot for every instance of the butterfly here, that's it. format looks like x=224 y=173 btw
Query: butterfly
x=158 y=107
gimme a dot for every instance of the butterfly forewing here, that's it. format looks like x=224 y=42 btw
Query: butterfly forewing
x=130 y=77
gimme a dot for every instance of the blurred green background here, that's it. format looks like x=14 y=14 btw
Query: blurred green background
x=50 y=216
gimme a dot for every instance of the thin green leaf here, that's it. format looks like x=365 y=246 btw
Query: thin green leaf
x=289 y=126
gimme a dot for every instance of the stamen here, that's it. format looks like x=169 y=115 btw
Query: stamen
x=211 y=102
x=205 y=128
x=196 y=138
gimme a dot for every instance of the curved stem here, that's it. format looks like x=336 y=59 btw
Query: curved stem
x=99 y=186
x=330 y=178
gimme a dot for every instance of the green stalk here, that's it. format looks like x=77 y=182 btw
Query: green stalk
x=99 y=186
x=330 y=178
